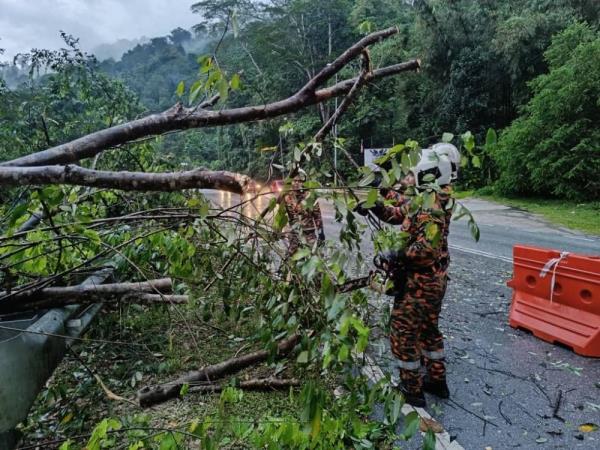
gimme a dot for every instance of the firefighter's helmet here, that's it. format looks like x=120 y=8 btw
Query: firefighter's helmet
x=453 y=155
x=432 y=167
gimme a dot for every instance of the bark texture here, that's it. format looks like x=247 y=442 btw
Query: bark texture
x=127 y=181
x=53 y=297
x=255 y=384
x=152 y=395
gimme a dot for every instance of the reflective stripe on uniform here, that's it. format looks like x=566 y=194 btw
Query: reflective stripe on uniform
x=409 y=365
x=433 y=355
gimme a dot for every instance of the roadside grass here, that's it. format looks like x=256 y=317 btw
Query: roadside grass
x=574 y=215
x=74 y=402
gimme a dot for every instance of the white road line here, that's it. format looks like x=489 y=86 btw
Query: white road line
x=480 y=253
x=442 y=440
x=583 y=239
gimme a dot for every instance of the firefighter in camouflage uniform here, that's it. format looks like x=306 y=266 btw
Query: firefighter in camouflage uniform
x=415 y=337
x=306 y=223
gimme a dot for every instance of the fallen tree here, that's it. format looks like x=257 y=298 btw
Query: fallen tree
x=152 y=395
x=53 y=297
x=179 y=117
x=126 y=181
x=255 y=384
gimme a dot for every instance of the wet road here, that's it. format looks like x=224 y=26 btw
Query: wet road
x=509 y=389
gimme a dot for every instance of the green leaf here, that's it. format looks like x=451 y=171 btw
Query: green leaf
x=18 y=212
x=432 y=232
x=344 y=353
x=396 y=408
x=205 y=63
x=180 y=89
x=336 y=308
x=365 y=27
x=428 y=198
x=302 y=357
x=66 y=445
x=371 y=198
x=491 y=137
x=411 y=425
x=474 y=229
x=223 y=88
x=468 y=141
x=429 y=440
x=185 y=388
x=235 y=82
x=447 y=137
x=366 y=181
x=280 y=220
x=195 y=90
x=476 y=161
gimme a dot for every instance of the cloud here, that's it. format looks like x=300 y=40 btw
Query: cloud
x=26 y=24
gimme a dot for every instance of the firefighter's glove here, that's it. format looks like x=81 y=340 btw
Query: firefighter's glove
x=390 y=260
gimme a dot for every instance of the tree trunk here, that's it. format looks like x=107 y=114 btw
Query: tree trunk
x=152 y=395
x=53 y=297
x=126 y=181
x=257 y=384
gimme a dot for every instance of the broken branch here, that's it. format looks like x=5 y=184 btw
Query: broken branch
x=127 y=181
x=180 y=118
x=152 y=395
x=257 y=384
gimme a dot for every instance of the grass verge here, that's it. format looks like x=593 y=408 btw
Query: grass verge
x=583 y=217
x=162 y=348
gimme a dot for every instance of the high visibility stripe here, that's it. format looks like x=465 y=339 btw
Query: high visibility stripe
x=433 y=355
x=409 y=365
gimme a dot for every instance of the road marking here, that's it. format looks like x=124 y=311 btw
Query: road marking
x=583 y=239
x=442 y=440
x=480 y=253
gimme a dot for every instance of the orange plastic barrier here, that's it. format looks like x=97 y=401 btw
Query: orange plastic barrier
x=568 y=314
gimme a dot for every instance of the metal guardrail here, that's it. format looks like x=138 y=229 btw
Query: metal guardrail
x=31 y=347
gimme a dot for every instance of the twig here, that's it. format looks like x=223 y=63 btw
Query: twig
x=471 y=412
x=508 y=421
x=557 y=406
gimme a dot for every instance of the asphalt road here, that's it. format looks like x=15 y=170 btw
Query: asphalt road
x=508 y=388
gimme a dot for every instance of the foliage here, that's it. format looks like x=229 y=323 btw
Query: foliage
x=64 y=97
x=553 y=148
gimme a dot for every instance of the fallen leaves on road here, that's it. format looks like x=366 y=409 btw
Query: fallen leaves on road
x=430 y=424
x=588 y=427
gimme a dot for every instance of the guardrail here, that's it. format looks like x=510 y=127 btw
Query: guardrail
x=31 y=347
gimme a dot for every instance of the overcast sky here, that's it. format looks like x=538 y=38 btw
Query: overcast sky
x=36 y=23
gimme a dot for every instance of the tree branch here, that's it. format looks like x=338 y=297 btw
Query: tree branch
x=180 y=118
x=91 y=290
x=152 y=395
x=126 y=181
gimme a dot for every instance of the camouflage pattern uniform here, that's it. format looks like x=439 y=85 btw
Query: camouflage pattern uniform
x=415 y=335
x=308 y=221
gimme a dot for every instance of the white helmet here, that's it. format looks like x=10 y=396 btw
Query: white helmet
x=453 y=155
x=432 y=163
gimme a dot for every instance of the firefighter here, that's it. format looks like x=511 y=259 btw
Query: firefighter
x=423 y=264
x=302 y=219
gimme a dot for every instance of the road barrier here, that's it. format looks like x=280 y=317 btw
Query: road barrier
x=556 y=296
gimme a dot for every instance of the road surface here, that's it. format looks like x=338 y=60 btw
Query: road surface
x=508 y=388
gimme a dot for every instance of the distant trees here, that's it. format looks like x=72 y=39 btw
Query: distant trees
x=554 y=147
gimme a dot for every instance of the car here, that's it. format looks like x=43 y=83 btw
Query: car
x=276 y=186
x=253 y=187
